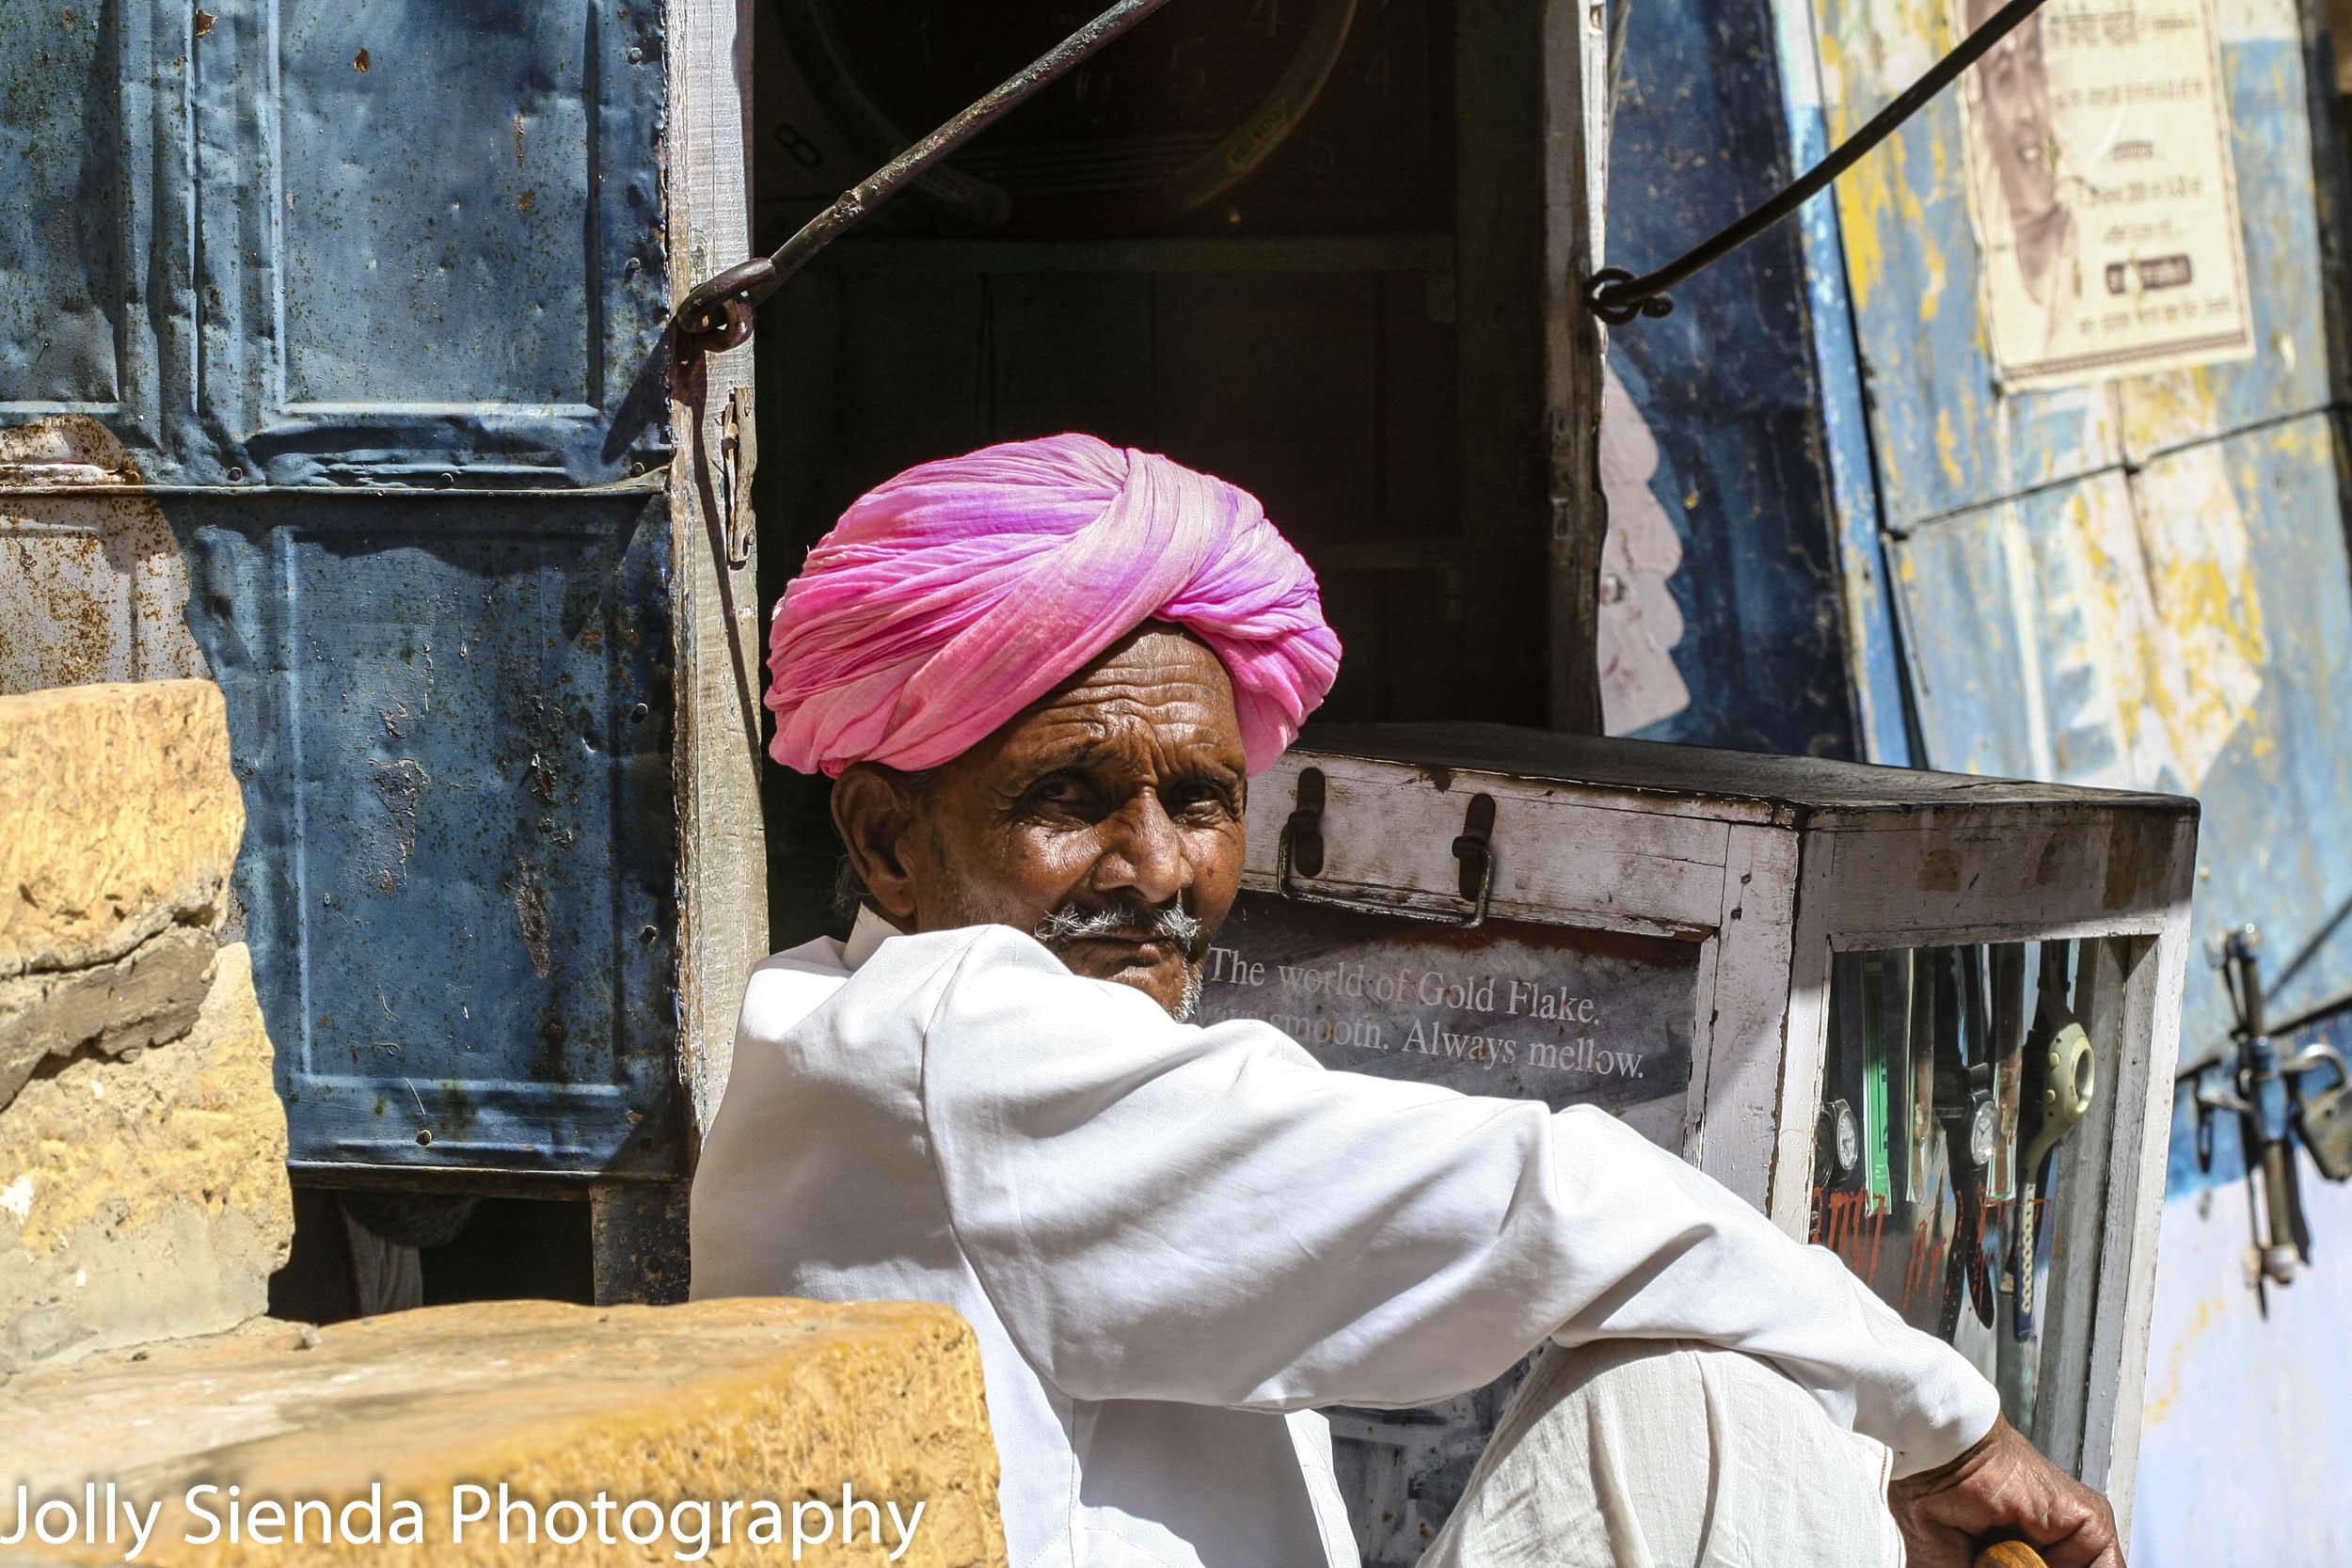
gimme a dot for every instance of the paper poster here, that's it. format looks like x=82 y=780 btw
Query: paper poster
x=2101 y=192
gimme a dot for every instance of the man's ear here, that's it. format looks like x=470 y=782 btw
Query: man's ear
x=873 y=811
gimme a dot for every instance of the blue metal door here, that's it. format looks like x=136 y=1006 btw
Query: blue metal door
x=367 y=299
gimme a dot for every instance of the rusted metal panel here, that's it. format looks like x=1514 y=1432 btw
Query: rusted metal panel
x=457 y=884
x=2187 y=627
x=478 y=185
x=285 y=242
x=89 y=122
x=92 y=586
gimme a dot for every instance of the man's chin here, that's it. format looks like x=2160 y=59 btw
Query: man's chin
x=1166 y=982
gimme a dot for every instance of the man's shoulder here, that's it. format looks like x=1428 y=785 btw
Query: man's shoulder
x=920 y=971
x=920 y=956
x=905 y=971
x=785 y=987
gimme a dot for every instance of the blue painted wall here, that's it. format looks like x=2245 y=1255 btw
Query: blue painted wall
x=1729 y=388
x=2245 y=1437
x=1986 y=545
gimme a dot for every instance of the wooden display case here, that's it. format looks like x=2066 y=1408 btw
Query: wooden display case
x=1866 y=999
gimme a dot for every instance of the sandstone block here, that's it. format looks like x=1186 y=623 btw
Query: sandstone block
x=149 y=996
x=123 y=819
x=740 y=1400
x=145 y=1198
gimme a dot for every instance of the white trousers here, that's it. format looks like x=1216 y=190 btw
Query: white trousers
x=1664 y=1454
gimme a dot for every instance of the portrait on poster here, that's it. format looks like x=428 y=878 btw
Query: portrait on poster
x=2101 y=192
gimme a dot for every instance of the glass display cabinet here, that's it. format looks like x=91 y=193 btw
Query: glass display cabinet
x=1927 y=1020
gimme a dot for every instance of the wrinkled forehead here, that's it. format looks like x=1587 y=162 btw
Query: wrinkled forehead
x=1155 y=657
x=1157 y=695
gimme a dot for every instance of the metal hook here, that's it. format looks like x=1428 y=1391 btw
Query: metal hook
x=1299 y=853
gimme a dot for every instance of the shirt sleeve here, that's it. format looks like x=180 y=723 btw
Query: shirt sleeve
x=1208 y=1216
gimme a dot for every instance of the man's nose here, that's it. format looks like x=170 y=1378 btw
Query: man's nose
x=1145 y=854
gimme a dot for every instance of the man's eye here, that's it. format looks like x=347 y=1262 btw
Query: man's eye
x=1058 y=791
x=1198 y=800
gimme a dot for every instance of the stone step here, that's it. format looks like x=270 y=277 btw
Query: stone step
x=750 y=1402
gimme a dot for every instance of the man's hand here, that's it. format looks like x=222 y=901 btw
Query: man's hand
x=2003 y=1487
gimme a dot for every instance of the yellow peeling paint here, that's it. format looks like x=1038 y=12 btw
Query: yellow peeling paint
x=2306 y=439
x=1948 y=446
x=1932 y=254
x=1877 y=196
x=2170 y=409
x=2159 y=1401
x=2151 y=589
x=1873 y=199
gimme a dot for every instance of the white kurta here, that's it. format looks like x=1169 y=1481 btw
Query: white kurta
x=1174 y=1241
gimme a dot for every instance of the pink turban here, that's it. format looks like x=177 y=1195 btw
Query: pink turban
x=953 y=596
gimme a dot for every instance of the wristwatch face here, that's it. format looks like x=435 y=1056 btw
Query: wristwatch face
x=1845 y=1136
x=1984 y=1129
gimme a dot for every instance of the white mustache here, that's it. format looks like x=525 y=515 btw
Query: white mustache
x=1069 y=924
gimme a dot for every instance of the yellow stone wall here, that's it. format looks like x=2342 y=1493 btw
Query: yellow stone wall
x=124 y=818
x=143 y=1187
x=742 y=1399
x=147 y=1196
x=144 y=1204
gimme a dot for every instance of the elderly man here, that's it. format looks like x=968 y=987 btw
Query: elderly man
x=1040 y=676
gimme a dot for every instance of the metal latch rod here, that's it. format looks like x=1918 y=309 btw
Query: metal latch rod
x=718 y=315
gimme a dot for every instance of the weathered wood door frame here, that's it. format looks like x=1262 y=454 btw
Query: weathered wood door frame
x=723 y=892
x=1575 y=89
x=640 y=1231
